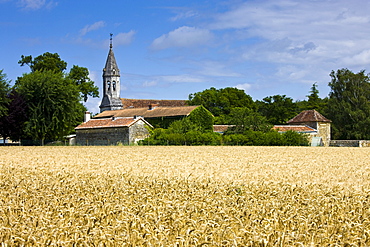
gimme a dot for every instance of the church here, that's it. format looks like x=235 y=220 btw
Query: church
x=126 y=121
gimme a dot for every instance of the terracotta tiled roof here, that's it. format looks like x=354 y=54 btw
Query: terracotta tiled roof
x=142 y=103
x=221 y=128
x=109 y=122
x=297 y=128
x=309 y=116
x=146 y=113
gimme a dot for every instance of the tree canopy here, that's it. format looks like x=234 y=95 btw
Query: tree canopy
x=53 y=104
x=245 y=119
x=220 y=102
x=46 y=61
x=277 y=109
x=53 y=62
x=80 y=76
x=4 y=90
x=12 y=124
x=349 y=104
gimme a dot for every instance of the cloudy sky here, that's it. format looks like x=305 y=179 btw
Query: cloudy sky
x=167 y=49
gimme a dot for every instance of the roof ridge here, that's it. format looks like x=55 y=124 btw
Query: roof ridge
x=309 y=116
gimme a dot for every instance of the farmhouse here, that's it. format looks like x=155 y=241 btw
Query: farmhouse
x=312 y=123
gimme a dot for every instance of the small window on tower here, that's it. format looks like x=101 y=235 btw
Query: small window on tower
x=114 y=86
x=108 y=84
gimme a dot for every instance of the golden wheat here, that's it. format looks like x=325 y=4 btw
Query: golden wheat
x=184 y=196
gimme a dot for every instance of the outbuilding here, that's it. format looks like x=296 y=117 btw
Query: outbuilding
x=112 y=131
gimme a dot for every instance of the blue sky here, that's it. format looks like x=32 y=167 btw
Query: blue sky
x=169 y=49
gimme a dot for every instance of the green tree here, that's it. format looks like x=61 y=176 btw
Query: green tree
x=12 y=124
x=277 y=109
x=349 y=104
x=46 y=61
x=80 y=76
x=182 y=126
x=202 y=118
x=4 y=90
x=314 y=102
x=220 y=101
x=53 y=62
x=53 y=104
x=246 y=119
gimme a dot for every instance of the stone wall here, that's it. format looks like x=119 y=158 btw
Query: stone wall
x=350 y=143
x=102 y=136
x=138 y=132
x=323 y=130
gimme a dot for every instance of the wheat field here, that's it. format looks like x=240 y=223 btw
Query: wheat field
x=184 y=196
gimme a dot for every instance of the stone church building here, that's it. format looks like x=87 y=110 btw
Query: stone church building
x=122 y=120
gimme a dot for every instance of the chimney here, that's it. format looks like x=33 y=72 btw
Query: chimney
x=153 y=106
x=87 y=117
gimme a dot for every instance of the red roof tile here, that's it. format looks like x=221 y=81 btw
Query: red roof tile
x=309 y=116
x=142 y=103
x=109 y=122
x=297 y=128
x=221 y=128
x=146 y=113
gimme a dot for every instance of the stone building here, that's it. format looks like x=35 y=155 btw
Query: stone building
x=112 y=131
x=312 y=123
x=121 y=120
x=111 y=84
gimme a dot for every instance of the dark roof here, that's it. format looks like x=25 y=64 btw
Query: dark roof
x=308 y=116
x=147 y=113
x=297 y=128
x=109 y=123
x=142 y=103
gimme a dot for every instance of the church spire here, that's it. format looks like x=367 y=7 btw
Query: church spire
x=111 y=83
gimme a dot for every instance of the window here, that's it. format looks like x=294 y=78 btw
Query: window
x=114 y=86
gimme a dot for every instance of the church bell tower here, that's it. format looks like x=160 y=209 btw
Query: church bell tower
x=111 y=83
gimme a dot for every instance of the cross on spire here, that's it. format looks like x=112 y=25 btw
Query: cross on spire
x=111 y=35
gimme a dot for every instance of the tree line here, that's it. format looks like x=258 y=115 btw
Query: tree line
x=347 y=106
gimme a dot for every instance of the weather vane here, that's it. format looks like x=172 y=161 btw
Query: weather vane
x=111 y=35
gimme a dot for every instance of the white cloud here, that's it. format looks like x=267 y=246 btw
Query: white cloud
x=216 y=68
x=36 y=4
x=94 y=76
x=150 y=83
x=170 y=79
x=184 y=15
x=123 y=38
x=245 y=87
x=182 y=37
x=92 y=27
x=299 y=41
x=358 y=59
x=182 y=79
